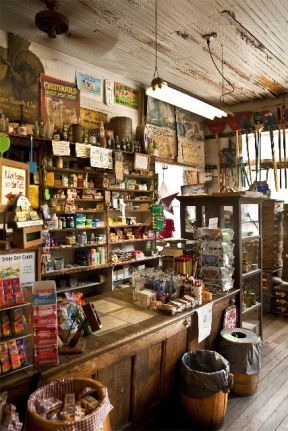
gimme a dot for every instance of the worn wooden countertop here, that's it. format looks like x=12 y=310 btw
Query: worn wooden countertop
x=110 y=340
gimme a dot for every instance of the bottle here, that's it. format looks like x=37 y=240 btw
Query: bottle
x=64 y=224
x=117 y=143
x=36 y=130
x=93 y=257
x=54 y=220
x=65 y=132
x=42 y=130
x=60 y=225
x=2 y=123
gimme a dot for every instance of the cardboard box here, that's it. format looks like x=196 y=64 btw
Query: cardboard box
x=172 y=251
x=143 y=297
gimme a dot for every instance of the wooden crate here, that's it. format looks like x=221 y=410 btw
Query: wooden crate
x=26 y=237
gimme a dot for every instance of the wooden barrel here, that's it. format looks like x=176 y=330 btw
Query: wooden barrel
x=209 y=412
x=122 y=127
x=244 y=384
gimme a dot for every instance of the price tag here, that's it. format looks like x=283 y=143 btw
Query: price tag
x=61 y=148
x=82 y=150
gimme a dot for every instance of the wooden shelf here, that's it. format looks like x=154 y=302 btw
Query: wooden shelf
x=115 y=189
x=78 y=287
x=79 y=211
x=133 y=261
x=76 y=229
x=75 y=247
x=126 y=241
x=254 y=307
x=71 y=170
x=251 y=273
x=74 y=270
x=118 y=226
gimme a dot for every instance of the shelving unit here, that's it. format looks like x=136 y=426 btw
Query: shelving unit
x=243 y=215
x=93 y=198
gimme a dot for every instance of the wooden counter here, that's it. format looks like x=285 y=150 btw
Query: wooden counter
x=137 y=363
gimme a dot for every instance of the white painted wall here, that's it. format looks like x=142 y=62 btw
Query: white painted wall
x=64 y=67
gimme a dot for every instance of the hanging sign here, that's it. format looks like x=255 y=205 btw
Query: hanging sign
x=61 y=148
x=82 y=150
x=101 y=157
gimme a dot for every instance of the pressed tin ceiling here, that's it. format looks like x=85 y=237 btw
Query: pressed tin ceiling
x=251 y=47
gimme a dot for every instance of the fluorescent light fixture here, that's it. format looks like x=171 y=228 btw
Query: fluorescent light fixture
x=176 y=97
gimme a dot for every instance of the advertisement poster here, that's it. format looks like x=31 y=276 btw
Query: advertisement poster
x=91 y=119
x=18 y=265
x=190 y=133
x=89 y=83
x=125 y=95
x=19 y=80
x=60 y=102
x=165 y=144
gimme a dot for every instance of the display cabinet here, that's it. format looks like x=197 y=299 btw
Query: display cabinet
x=244 y=215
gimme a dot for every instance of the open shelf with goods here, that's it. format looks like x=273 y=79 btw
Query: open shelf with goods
x=84 y=223
x=242 y=214
x=16 y=327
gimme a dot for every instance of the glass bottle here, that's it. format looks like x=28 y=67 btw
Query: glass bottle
x=102 y=138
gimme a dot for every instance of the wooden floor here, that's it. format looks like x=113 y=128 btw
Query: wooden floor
x=267 y=409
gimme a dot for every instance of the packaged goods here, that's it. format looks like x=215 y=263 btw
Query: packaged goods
x=19 y=297
x=47 y=405
x=22 y=353
x=4 y=358
x=9 y=293
x=18 y=322
x=14 y=356
x=6 y=325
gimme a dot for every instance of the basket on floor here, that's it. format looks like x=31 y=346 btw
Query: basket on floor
x=57 y=389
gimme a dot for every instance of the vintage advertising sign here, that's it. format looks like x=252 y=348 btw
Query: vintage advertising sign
x=60 y=102
x=19 y=80
x=190 y=133
x=89 y=83
x=125 y=95
x=91 y=119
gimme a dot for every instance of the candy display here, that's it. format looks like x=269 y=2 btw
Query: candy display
x=45 y=323
x=67 y=401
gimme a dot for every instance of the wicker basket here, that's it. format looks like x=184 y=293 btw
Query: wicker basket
x=57 y=389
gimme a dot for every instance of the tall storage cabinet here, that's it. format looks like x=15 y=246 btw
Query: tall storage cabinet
x=244 y=215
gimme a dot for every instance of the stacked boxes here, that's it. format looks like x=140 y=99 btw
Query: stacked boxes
x=216 y=258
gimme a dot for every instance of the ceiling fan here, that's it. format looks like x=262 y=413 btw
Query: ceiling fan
x=50 y=21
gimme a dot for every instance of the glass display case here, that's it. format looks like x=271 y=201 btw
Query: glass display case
x=241 y=257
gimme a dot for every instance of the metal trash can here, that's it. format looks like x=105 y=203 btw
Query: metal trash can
x=205 y=381
x=242 y=348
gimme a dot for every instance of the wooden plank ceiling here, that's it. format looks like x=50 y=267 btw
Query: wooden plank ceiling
x=251 y=46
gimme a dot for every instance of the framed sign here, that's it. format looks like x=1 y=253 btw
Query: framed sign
x=141 y=162
x=14 y=180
